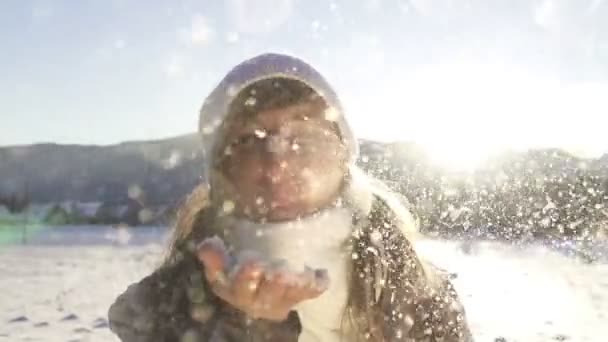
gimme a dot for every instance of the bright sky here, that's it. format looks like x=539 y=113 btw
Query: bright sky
x=463 y=77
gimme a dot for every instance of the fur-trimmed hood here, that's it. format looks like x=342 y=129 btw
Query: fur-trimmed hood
x=215 y=108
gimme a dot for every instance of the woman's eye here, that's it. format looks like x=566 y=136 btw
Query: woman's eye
x=245 y=140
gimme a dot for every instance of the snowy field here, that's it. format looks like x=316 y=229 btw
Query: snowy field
x=58 y=287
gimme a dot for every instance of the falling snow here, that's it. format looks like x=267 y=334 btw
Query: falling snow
x=524 y=235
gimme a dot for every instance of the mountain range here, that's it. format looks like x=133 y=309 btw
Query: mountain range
x=546 y=190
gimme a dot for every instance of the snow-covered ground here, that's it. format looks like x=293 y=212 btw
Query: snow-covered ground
x=59 y=287
x=527 y=293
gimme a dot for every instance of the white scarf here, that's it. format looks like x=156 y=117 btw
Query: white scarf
x=317 y=242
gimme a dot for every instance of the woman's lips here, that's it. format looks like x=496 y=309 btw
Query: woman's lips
x=281 y=196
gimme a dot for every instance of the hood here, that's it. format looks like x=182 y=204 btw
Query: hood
x=216 y=105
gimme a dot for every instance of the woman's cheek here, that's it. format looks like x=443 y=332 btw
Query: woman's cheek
x=246 y=168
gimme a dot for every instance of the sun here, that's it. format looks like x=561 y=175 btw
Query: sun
x=457 y=156
x=464 y=112
x=461 y=113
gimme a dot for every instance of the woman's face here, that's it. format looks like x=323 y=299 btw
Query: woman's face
x=281 y=163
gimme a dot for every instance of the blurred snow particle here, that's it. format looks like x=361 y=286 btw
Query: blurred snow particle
x=259 y=200
x=594 y=5
x=228 y=151
x=120 y=44
x=174 y=160
x=546 y=15
x=260 y=133
x=259 y=16
x=202 y=313
x=376 y=237
x=332 y=114
x=251 y=101
x=145 y=215
x=208 y=129
x=200 y=31
x=174 y=68
x=232 y=37
x=228 y=207
x=190 y=335
x=232 y=90
x=123 y=236
x=134 y=191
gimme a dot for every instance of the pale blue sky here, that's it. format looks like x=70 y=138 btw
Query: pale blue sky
x=435 y=70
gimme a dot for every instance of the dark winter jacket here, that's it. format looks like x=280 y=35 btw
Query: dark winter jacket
x=175 y=304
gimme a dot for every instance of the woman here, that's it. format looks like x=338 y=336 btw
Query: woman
x=289 y=241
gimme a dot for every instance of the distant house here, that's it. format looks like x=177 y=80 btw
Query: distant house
x=57 y=216
x=67 y=212
x=89 y=209
x=68 y=206
x=85 y=212
x=120 y=213
x=38 y=212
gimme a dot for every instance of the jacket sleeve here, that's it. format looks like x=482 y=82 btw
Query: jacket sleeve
x=149 y=311
x=175 y=302
x=130 y=319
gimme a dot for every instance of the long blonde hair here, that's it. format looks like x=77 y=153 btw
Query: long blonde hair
x=383 y=262
x=187 y=219
x=383 y=258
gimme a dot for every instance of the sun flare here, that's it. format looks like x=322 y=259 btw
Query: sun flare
x=462 y=113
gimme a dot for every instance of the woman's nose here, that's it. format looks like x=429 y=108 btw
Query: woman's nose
x=276 y=144
x=276 y=169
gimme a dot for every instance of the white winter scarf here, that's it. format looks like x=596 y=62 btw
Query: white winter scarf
x=317 y=242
